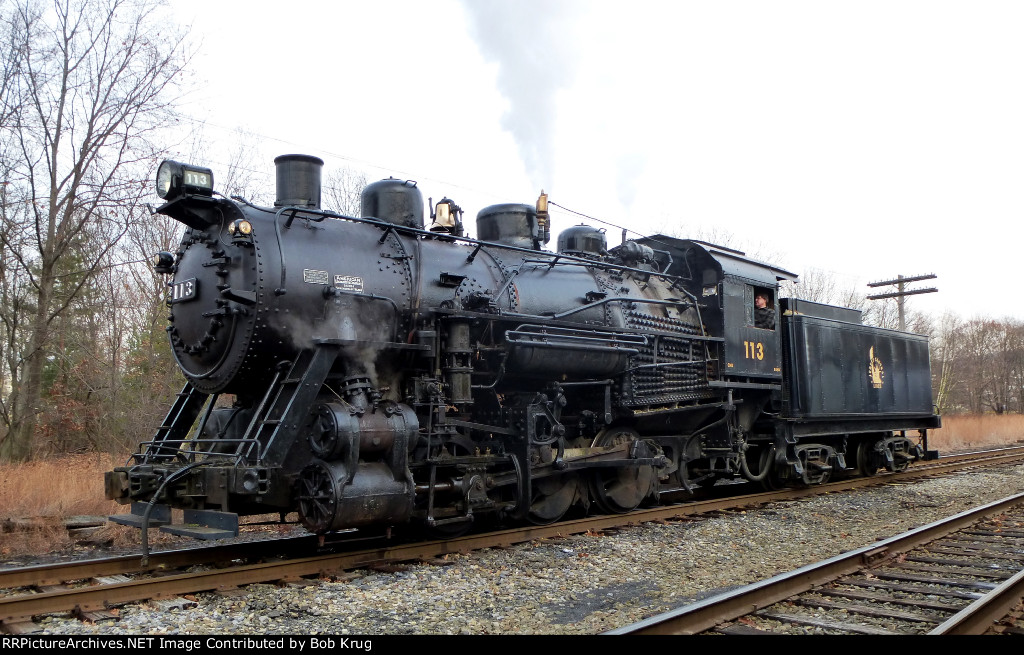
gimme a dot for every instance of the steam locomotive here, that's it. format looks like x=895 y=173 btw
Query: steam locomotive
x=378 y=371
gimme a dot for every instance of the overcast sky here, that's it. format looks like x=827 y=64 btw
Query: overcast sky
x=868 y=139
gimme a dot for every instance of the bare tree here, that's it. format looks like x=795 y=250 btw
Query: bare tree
x=818 y=285
x=12 y=42
x=1016 y=367
x=244 y=173
x=343 y=190
x=980 y=339
x=978 y=365
x=92 y=86
x=945 y=350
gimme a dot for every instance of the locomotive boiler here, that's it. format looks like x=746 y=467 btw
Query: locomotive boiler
x=380 y=370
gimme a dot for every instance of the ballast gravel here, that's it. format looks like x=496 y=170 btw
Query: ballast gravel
x=584 y=584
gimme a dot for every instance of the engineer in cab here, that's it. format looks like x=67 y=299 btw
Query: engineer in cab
x=764 y=316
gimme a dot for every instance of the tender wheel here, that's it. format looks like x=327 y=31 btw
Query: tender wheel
x=621 y=490
x=763 y=458
x=867 y=460
x=552 y=498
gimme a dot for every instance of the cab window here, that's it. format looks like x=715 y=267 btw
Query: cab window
x=759 y=303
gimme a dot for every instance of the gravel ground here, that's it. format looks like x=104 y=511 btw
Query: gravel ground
x=584 y=584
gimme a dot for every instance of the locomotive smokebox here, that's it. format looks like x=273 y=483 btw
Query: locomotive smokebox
x=298 y=181
x=394 y=201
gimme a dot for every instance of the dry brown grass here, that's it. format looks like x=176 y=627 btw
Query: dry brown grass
x=60 y=487
x=965 y=431
x=48 y=491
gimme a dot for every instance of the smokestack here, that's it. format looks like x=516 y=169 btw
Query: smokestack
x=298 y=181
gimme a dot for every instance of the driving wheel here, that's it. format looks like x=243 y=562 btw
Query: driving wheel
x=617 y=490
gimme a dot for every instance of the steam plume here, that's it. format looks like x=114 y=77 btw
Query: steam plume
x=531 y=41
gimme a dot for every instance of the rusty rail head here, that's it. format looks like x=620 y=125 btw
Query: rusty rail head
x=710 y=612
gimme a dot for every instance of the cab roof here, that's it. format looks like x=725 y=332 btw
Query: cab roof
x=689 y=258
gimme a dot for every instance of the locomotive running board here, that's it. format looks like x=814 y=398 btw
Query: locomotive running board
x=161 y=515
x=729 y=384
x=205 y=524
x=200 y=524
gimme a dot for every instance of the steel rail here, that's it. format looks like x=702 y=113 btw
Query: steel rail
x=979 y=616
x=727 y=606
x=92 y=598
x=56 y=573
x=102 y=596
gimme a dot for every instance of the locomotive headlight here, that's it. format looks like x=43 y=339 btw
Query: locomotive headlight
x=174 y=179
x=164 y=179
x=163 y=262
x=240 y=228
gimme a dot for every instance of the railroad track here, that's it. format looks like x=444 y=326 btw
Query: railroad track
x=91 y=586
x=961 y=575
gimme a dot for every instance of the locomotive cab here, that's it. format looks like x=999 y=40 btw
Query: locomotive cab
x=751 y=346
x=727 y=282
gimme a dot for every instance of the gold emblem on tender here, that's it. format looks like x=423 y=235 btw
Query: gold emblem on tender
x=875 y=371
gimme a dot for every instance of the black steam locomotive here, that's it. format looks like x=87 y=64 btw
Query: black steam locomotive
x=377 y=371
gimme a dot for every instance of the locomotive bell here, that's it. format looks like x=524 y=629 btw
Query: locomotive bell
x=447 y=217
x=298 y=181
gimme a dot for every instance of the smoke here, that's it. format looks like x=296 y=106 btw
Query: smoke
x=531 y=41
x=629 y=167
x=350 y=318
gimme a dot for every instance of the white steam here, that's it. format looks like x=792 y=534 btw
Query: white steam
x=370 y=324
x=531 y=41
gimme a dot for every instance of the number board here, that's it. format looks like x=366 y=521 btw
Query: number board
x=184 y=290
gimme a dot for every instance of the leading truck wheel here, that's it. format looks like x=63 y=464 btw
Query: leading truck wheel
x=329 y=498
x=317 y=499
x=618 y=490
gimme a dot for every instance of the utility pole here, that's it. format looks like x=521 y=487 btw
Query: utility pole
x=901 y=292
